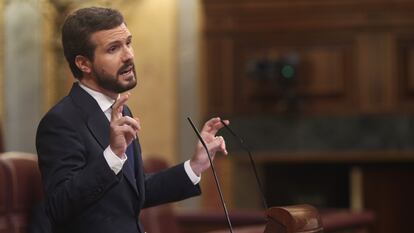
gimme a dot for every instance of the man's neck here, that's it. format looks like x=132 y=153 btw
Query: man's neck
x=93 y=86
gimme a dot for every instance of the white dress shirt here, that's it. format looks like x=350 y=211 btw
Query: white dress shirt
x=115 y=162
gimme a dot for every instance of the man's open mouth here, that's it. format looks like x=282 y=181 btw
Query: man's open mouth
x=127 y=71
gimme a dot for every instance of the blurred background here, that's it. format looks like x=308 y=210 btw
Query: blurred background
x=322 y=91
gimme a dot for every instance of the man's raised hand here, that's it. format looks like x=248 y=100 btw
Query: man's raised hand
x=123 y=129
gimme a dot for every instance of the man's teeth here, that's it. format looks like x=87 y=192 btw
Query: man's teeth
x=125 y=72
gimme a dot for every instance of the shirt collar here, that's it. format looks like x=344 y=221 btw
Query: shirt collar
x=104 y=102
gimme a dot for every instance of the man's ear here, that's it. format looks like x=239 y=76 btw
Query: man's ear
x=83 y=64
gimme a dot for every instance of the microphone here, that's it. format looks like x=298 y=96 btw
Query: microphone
x=214 y=173
x=244 y=146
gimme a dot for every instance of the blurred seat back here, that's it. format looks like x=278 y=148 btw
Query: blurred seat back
x=23 y=191
x=1 y=139
x=4 y=198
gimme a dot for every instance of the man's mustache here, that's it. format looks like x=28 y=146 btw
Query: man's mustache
x=126 y=67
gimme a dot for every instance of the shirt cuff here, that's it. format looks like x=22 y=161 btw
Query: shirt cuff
x=193 y=177
x=114 y=162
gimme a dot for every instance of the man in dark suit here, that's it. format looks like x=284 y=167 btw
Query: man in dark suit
x=89 y=153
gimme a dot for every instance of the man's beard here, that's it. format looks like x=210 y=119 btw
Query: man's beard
x=110 y=82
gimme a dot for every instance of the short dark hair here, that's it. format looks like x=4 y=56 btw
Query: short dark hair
x=78 y=28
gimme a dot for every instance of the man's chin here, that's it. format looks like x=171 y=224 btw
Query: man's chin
x=127 y=86
x=128 y=78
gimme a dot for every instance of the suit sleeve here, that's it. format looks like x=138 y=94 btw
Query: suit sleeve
x=170 y=185
x=72 y=179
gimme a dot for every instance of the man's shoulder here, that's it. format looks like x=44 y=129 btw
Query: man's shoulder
x=69 y=104
x=64 y=107
x=65 y=112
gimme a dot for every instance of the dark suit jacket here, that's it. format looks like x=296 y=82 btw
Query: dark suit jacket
x=82 y=193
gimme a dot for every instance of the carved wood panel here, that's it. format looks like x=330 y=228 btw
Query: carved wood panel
x=321 y=75
x=351 y=59
x=405 y=77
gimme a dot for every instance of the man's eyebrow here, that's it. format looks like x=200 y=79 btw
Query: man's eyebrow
x=114 y=42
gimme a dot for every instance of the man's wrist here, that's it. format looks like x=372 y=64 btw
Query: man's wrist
x=114 y=161
x=192 y=175
x=195 y=167
x=115 y=152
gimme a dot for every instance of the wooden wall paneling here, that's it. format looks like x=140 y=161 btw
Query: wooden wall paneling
x=227 y=85
x=375 y=72
x=212 y=75
x=409 y=82
x=219 y=68
x=325 y=73
x=370 y=71
x=405 y=75
x=262 y=15
x=328 y=77
x=388 y=192
x=391 y=69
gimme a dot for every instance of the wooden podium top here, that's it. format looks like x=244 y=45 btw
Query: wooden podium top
x=293 y=219
x=254 y=221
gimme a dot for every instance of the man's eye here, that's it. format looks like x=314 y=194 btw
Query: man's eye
x=112 y=49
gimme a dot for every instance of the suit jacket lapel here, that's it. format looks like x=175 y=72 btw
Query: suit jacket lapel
x=138 y=181
x=97 y=122
x=95 y=119
x=139 y=171
x=99 y=127
x=130 y=178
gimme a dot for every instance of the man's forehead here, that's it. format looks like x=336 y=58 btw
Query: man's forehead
x=111 y=35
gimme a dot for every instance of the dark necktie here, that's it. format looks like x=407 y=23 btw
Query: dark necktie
x=130 y=154
x=130 y=161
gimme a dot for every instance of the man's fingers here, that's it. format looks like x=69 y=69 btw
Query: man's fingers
x=128 y=131
x=138 y=121
x=117 y=107
x=218 y=144
x=127 y=126
x=213 y=125
x=223 y=147
x=227 y=122
x=208 y=125
x=123 y=131
x=128 y=121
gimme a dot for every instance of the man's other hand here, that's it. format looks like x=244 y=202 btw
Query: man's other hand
x=200 y=162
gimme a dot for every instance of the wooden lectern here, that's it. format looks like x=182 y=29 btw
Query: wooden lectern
x=285 y=219
x=293 y=219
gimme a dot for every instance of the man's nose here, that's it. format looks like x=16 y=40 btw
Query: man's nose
x=128 y=54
